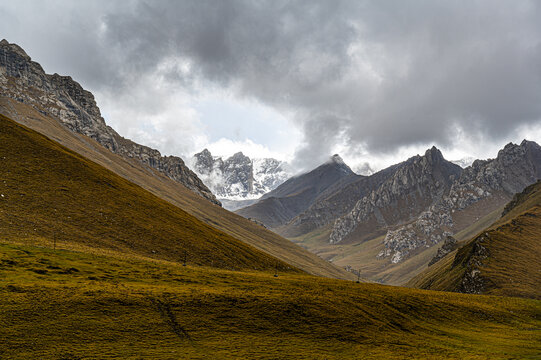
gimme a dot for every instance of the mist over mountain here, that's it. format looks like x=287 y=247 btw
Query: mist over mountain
x=464 y=162
x=239 y=178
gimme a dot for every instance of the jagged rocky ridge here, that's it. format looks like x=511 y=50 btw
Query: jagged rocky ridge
x=239 y=177
x=515 y=167
x=63 y=98
x=414 y=186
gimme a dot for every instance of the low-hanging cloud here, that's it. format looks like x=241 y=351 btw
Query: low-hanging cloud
x=371 y=75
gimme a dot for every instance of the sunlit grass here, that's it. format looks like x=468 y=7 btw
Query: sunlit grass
x=67 y=303
x=49 y=194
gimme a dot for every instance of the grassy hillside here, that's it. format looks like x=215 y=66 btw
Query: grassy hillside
x=173 y=192
x=49 y=194
x=504 y=259
x=73 y=305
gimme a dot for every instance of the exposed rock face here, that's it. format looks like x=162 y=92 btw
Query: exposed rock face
x=269 y=173
x=449 y=245
x=415 y=185
x=515 y=167
x=504 y=259
x=473 y=281
x=239 y=174
x=60 y=96
x=239 y=177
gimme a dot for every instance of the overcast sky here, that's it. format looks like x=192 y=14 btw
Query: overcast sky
x=376 y=81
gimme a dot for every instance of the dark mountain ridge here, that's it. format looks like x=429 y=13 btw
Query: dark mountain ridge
x=279 y=206
x=414 y=186
x=481 y=188
x=408 y=208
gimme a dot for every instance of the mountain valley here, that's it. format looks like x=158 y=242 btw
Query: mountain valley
x=110 y=250
x=389 y=225
x=26 y=112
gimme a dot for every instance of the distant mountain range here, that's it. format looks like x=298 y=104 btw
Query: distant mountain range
x=389 y=225
x=239 y=180
x=396 y=217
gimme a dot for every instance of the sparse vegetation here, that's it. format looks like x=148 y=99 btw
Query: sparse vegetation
x=172 y=192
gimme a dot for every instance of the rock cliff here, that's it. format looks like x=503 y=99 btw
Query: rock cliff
x=515 y=167
x=414 y=186
x=63 y=98
x=453 y=204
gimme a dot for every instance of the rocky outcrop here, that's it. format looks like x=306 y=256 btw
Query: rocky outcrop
x=521 y=197
x=239 y=177
x=238 y=174
x=414 y=186
x=449 y=245
x=472 y=281
x=428 y=230
x=515 y=167
x=63 y=98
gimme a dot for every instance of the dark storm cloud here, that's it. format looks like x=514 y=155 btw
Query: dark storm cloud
x=377 y=75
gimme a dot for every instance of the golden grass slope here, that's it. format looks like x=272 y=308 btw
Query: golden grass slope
x=505 y=258
x=49 y=193
x=173 y=192
x=75 y=305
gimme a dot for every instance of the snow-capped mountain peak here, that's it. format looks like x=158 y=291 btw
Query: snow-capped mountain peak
x=239 y=177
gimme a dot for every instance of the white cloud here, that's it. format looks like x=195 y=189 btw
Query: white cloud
x=155 y=114
x=227 y=147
